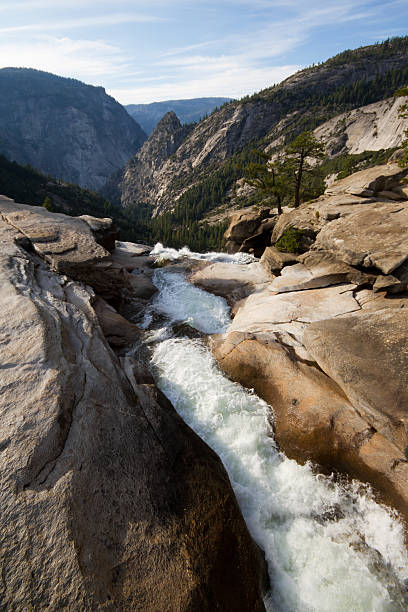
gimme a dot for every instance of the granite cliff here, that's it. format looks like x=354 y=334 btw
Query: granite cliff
x=63 y=127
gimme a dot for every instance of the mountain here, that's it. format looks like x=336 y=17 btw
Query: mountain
x=27 y=185
x=200 y=174
x=64 y=127
x=188 y=111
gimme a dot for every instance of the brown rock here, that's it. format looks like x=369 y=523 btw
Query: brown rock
x=333 y=365
x=372 y=236
x=244 y=224
x=117 y=330
x=317 y=269
x=389 y=283
x=233 y=282
x=142 y=286
x=274 y=260
x=104 y=231
x=256 y=243
x=303 y=218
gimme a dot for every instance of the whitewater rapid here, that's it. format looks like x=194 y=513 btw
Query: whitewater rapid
x=329 y=547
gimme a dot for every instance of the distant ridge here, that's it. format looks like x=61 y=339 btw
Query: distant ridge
x=149 y=115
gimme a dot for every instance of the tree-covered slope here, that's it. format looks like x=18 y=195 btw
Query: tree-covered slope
x=64 y=127
x=209 y=154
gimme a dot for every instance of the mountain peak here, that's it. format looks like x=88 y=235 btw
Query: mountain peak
x=169 y=122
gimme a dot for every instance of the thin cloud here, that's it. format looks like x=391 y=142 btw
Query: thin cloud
x=82 y=59
x=82 y=22
x=234 y=82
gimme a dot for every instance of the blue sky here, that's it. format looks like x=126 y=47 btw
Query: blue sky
x=156 y=50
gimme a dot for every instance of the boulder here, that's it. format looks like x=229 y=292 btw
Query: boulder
x=274 y=260
x=317 y=269
x=304 y=219
x=389 y=283
x=233 y=282
x=108 y=500
x=68 y=245
x=118 y=331
x=268 y=311
x=242 y=225
x=132 y=256
x=372 y=236
x=141 y=286
x=104 y=231
x=256 y=243
x=370 y=181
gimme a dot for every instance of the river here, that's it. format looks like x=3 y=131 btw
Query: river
x=329 y=546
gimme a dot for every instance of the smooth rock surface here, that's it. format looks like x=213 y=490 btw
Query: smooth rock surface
x=372 y=236
x=332 y=363
x=68 y=245
x=108 y=500
x=233 y=282
x=368 y=128
x=369 y=182
x=316 y=269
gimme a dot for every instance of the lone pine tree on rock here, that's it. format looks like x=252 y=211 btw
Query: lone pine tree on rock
x=274 y=179
x=299 y=156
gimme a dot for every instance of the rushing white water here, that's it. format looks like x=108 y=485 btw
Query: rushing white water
x=329 y=547
x=161 y=253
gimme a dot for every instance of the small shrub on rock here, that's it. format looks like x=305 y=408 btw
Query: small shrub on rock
x=290 y=241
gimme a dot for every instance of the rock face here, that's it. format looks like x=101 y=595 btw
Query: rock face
x=109 y=501
x=334 y=375
x=140 y=172
x=369 y=128
x=64 y=128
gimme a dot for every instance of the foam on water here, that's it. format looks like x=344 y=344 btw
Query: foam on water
x=161 y=253
x=180 y=301
x=329 y=547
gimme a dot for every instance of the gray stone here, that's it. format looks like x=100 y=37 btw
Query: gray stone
x=233 y=282
x=369 y=182
x=68 y=245
x=317 y=269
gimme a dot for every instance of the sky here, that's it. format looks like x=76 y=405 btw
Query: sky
x=144 y=52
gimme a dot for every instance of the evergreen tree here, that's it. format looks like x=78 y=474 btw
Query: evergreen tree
x=48 y=204
x=269 y=178
x=299 y=154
